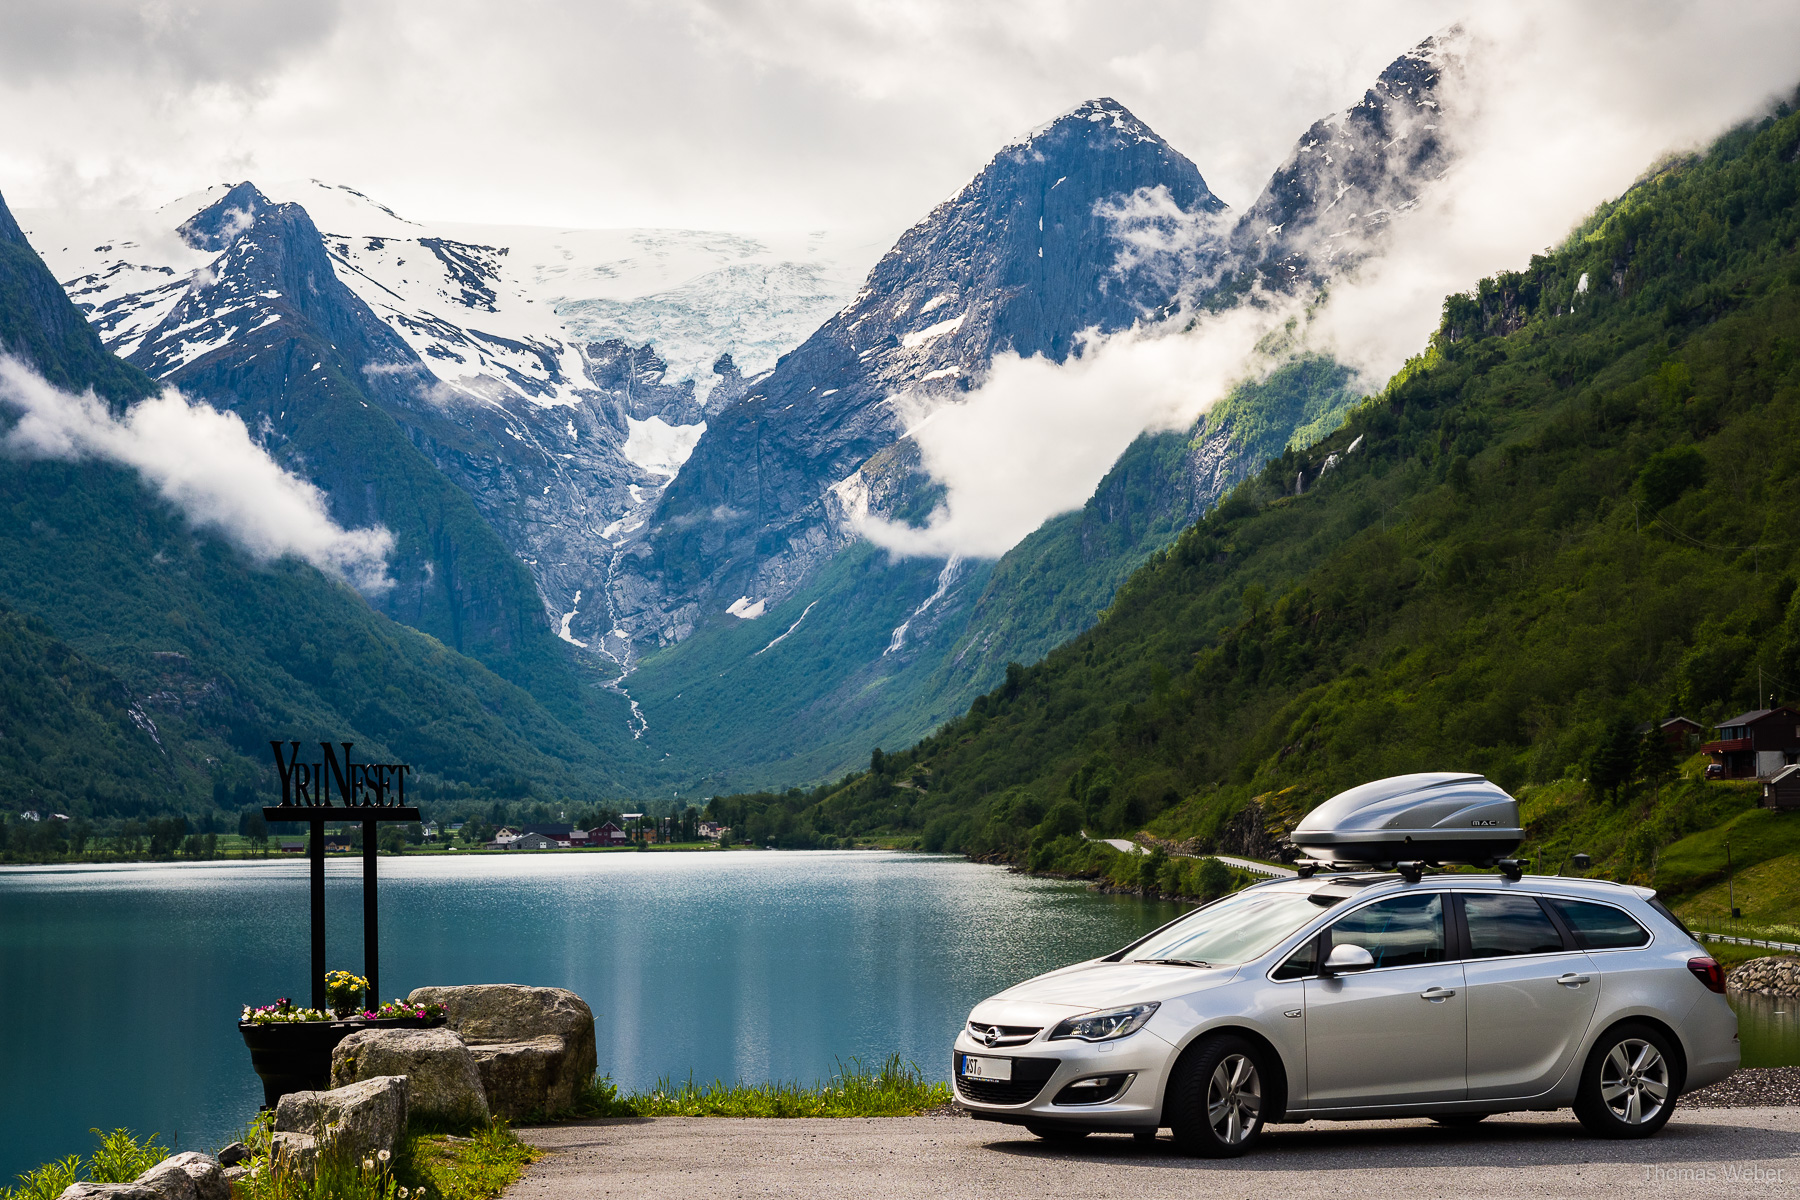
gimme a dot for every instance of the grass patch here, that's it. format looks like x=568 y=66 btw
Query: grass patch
x=1768 y=894
x=894 y=1089
x=119 y=1158
x=427 y=1165
x=1698 y=861
x=443 y=1166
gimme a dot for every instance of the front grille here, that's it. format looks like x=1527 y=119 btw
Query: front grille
x=1004 y=1035
x=1029 y=1077
x=989 y=1091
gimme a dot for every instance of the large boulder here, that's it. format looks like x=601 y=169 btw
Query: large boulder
x=527 y=1079
x=509 y=1029
x=443 y=1084
x=360 y=1119
x=185 y=1176
x=294 y=1153
x=108 y=1191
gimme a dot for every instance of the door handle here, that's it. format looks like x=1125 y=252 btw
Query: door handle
x=1572 y=980
x=1437 y=994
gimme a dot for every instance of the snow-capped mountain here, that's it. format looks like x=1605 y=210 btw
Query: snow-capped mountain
x=560 y=377
x=1024 y=258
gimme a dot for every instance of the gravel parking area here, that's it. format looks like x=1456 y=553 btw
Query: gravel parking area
x=1749 y=1087
x=1738 y=1151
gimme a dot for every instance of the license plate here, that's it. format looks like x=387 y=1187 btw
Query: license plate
x=999 y=1069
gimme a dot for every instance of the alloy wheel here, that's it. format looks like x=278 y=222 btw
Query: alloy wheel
x=1234 y=1099
x=1634 y=1081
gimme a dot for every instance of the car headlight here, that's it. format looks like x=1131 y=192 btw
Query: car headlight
x=1105 y=1026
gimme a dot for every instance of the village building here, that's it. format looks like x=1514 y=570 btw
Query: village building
x=1681 y=733
x=1755 y=744
x=607 y=834
x=1782 y=789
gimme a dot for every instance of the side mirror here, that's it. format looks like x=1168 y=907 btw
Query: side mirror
x=1347 y=960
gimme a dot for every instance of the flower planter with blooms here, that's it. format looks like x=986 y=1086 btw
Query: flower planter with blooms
x=290 y=1048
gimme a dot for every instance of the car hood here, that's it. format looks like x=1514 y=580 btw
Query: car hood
x=1096 y=985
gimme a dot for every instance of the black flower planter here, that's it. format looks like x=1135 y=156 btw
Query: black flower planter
x=295 y=1056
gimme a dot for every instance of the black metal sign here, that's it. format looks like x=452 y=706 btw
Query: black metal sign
x=366 y=792
x=310 y=784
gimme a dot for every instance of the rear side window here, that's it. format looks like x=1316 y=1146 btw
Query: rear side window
x=1505 y=925
x=1401 y=932
x=1668 y=912
x=1601 y=926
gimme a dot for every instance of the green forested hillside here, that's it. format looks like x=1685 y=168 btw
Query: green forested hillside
x=745 y=717
x=1577 y=511
x=142 y=663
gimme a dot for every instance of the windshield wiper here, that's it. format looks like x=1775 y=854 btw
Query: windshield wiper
x=1174 y=962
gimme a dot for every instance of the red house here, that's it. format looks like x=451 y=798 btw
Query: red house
x=1756 y=744
x=608 y=835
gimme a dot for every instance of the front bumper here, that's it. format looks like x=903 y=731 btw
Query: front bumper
x=1143 y=1056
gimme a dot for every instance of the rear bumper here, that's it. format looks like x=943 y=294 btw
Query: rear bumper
x=1143 y=1056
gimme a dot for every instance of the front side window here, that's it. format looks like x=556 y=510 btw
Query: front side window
x=1236 y=929
x=1402 y=932
x=1505 y=925
x=1601 y=926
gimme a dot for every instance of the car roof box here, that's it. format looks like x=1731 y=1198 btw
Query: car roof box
x=1434 y=817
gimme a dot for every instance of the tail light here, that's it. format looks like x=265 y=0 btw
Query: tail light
x=1709 y=973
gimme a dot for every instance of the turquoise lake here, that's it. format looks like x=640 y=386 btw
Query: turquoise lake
x=120 y=986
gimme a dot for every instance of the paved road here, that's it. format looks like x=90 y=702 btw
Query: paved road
x=1703 y=1152
x=1256 y=868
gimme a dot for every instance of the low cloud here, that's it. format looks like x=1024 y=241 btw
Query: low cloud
x=1037 y=436
x=205 y=463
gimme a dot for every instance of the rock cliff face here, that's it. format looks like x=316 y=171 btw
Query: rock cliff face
x=1023 y=259
x=1352 y=174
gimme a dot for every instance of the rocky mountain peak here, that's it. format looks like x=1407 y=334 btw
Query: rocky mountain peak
x=217 y=226
x=1353 y=173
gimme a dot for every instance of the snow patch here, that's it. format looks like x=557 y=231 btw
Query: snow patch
x=658 y=446
x=929 y=334
x=744 y=610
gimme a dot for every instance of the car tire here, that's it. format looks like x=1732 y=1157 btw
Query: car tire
x=1460 y=1120
x=1056 y=1133
x=1216 y=1100
x=1629 y=1083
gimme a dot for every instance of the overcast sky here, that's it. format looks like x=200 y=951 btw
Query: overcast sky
x=748 y=114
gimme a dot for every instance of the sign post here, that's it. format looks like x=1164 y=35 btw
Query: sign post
x=366 y=792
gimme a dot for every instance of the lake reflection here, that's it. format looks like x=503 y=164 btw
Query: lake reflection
x=120 y=986
x=1768 y=1029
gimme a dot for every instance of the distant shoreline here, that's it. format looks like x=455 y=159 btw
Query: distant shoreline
x=417 y=853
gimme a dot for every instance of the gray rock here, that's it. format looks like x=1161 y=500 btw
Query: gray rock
x=108 y=1191
x=504 y=1025
x=1776 y=975
x=526 y=1079
x=233 y=1174
x=359 y=1119
x=295 y=1153
x=443 y=1086
x=233 y=1154
x=187 y=1176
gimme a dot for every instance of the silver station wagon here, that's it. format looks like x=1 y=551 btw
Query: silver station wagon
x=1357 y=994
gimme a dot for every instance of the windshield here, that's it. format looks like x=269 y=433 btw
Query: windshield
x=1235 y=930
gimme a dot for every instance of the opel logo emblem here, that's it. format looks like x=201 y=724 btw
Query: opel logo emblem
x=992 y=1035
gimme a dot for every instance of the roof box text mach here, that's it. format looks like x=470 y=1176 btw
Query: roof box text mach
x=1436 y=817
